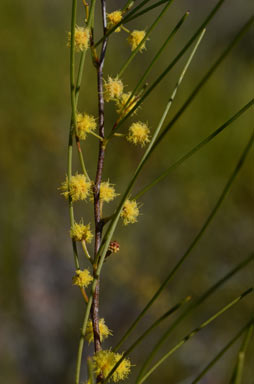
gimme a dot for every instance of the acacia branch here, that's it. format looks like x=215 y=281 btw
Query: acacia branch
x=98 y=178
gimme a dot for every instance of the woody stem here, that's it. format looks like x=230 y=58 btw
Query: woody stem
x=97 y=202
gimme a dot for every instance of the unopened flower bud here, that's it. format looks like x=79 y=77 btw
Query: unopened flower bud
x=114 y=247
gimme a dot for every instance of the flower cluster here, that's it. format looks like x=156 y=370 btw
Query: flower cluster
x=135 y=38
x=130 y=212
x=104 y=331
x=138 y=134
x=123 y=106
x=114 y=247
x=105 y=360
x=82 y=278
x=114 y=18
x=81 y=232
x=78 y=188
x=81 y=38
x=107 y=191
x=113 y=89
x=85 y=124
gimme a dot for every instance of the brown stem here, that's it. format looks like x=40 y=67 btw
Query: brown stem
x=97 y=203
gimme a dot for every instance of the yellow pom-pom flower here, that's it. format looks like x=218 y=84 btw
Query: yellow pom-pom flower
x=82 y=278
x=107 y=191
x=79 y=187
x=138 y=134
x=113 y=88
x=130 y=212
x=81 y=232
x=121 y=107
x=114 y=18
x=81 y=38
x=135 y=38
x=104 y=361
x=85 y=124
x=104 y=331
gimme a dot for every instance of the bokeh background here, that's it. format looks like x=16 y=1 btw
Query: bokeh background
x=41 y=313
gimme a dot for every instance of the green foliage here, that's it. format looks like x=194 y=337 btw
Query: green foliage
x=176 y=235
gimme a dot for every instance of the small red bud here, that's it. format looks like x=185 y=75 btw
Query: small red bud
x=114 y=247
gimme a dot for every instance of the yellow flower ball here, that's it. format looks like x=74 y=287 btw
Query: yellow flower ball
x=114 y=18
x=104 y=361
x=138 y=134
x=135 y=38
x=81 y=232
x=79 y=187
x=130 y=212
x=85 y=124
x=81 y=38
x=82 y=278
x=113 y=88
x=104 y=331
x=107 y=192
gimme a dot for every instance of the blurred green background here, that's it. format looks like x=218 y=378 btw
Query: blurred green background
x=41 y=313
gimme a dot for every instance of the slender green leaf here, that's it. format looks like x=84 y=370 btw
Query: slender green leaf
x=70 y=147
x=123 y=21
x=221 y=353
x=73 y=119
x=211 y=70
x=127 y=5
x=75 y=89
x=149 y=31
x=238 y=371
x=194 y=150
x=83 y=332
x=159 y=52
x=154 y=60
x=146 y=10
x=192 y=307
x=193 y=333
x=197 y=237
x=107 y=238
x=90 y=23
x=174 y=61
x=146 y=333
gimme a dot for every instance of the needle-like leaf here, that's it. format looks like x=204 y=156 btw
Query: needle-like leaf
x=107 y=238
x=146 y=333
x=196 y=239
x=210 y=72
x=123 y=21
x=238 y=371
x=174 y=61
x=149 y=31
x=197 y=147
x=222 y=352
x=193 y=333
